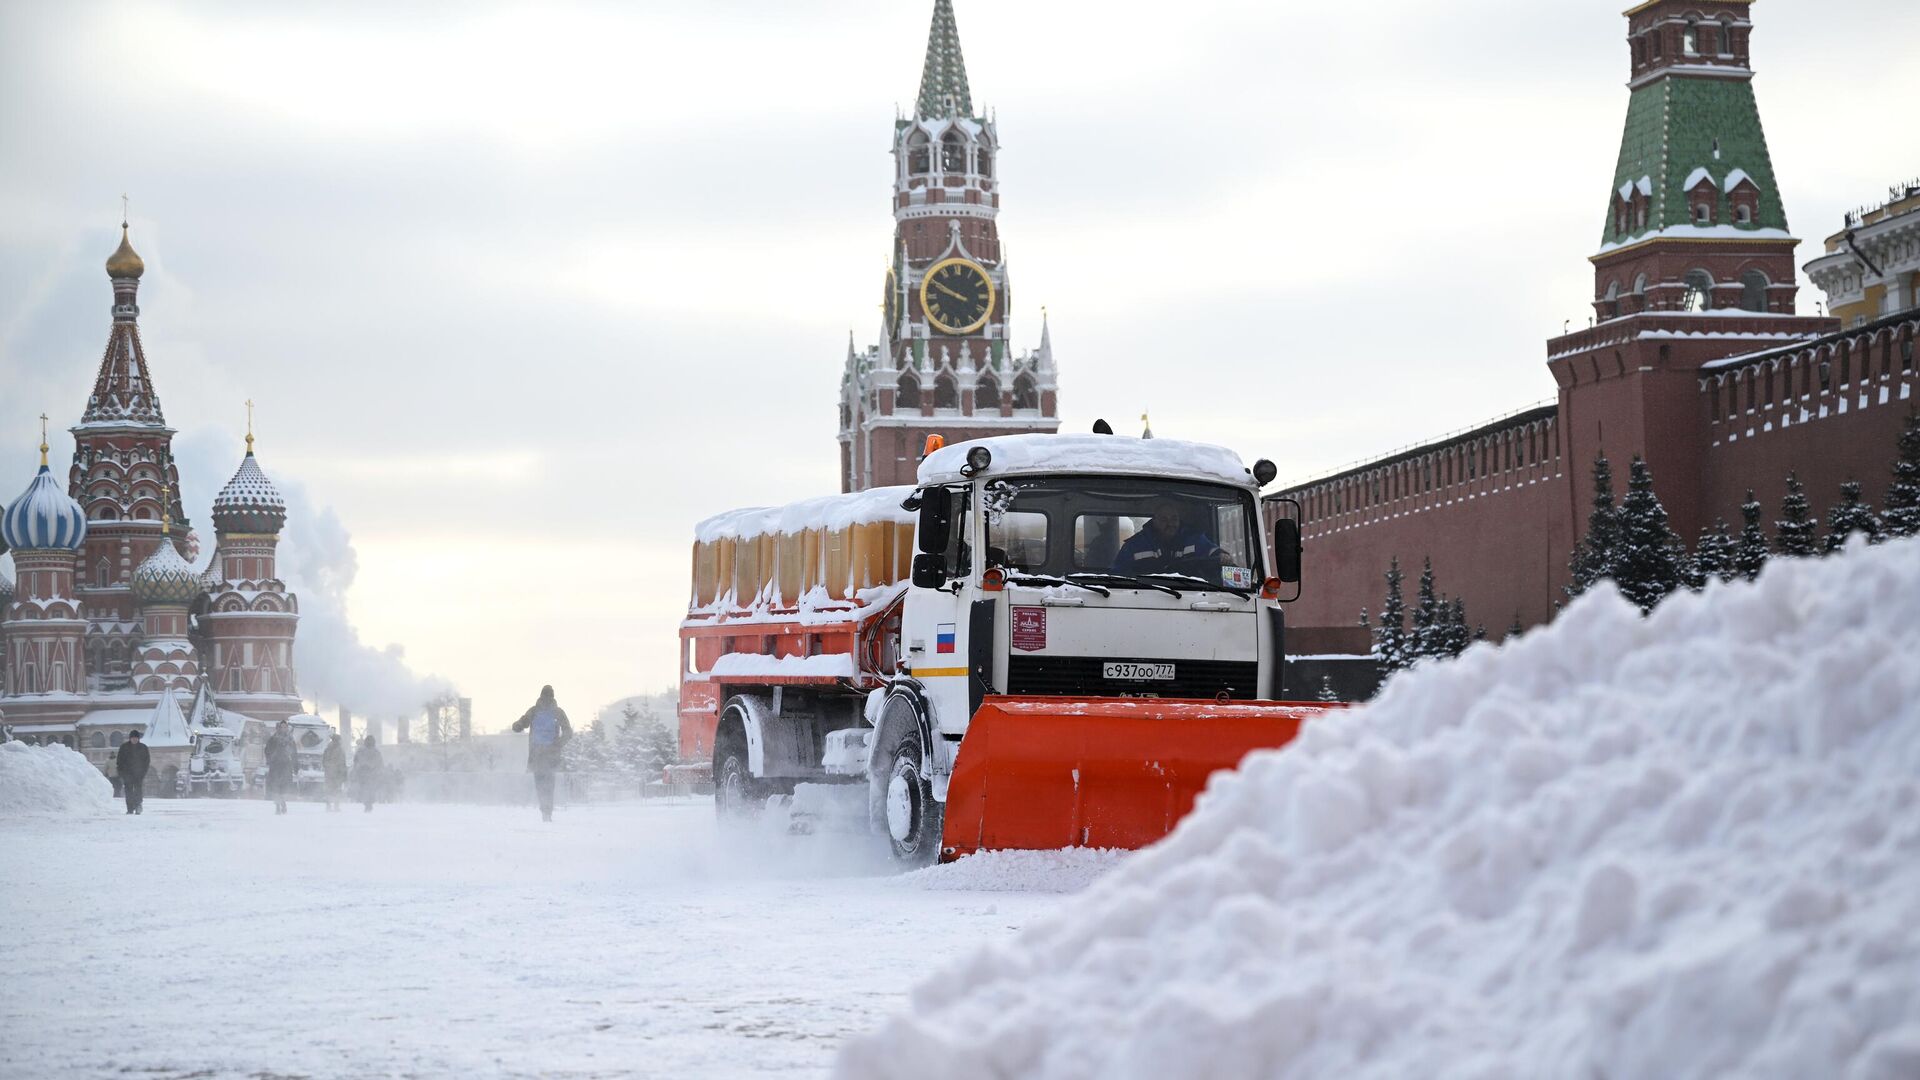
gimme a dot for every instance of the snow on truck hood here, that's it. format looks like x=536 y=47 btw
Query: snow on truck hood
x=1098 y=453
x=1677 y=846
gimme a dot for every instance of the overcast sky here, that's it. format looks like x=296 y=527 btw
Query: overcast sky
x=525 y=291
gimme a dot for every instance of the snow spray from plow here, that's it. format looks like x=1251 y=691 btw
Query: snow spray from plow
x=1040 y=773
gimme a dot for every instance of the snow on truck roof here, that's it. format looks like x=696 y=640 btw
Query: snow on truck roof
x=1093 y=453
x=826 y=512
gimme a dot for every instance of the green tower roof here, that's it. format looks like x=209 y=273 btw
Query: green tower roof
x=1678 y=126
x=943 y=82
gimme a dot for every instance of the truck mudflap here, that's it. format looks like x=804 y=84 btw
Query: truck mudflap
x=1038 y=773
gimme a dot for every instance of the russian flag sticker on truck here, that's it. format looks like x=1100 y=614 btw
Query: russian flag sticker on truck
x=943 y=637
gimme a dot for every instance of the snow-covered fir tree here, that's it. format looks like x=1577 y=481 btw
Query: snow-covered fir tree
x=1902 y=513
x=1390 y=633
x=1750 y=552
x=1455 y=636
x=1652 y=559
x=1514 y=629
x=1595 y=556
x=1327 y=692
x=1714 y=556
x=1428 y=639
x=1851 y=515
x=1793 y=533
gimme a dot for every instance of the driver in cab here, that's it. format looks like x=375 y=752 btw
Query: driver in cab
x=1166 y=544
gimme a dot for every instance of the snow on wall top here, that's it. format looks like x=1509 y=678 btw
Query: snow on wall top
x=827 y=512
x=1091 y=453
x=1614 y=846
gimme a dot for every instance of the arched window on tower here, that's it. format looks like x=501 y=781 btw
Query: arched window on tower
x=1753 y=291
x=946 y=391
x=1613 y=300
x=907 y=396
x=1026 y=394
x=1690 y=40
x=986 y=394
x=1699 y=294
x=983 y=162
x=953 y=153
x=919 y=160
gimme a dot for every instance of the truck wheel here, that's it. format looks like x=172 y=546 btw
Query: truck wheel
x=737 y=796
x=907 y=812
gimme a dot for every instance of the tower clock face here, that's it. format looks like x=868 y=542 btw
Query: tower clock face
x=957 y=296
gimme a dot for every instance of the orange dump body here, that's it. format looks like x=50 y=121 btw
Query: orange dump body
x=1036 y=773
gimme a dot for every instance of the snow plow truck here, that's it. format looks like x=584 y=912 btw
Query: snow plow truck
x=1049 y=641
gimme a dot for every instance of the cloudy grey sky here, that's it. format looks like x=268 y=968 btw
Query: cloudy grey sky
x=523 y=291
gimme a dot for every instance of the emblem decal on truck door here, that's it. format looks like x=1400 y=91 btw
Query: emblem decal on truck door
x=1029 y=628
x=943 y=637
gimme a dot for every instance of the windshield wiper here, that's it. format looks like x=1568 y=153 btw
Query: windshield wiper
x=1203 y=583
x=1047 y=579
x=1128 y=580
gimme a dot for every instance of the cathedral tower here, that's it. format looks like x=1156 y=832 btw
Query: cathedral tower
x=249 y=617
x=43 y=627
x=122 y=462
x=944 y=363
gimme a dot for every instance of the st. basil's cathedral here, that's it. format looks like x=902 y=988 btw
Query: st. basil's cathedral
x=110 y=626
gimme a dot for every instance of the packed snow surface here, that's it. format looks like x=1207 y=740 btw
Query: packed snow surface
x=1101 y=453
x=210 y=938
x=50 y=779
x=1682 y=846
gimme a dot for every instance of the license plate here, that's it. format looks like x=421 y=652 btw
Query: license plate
x=1137 y=672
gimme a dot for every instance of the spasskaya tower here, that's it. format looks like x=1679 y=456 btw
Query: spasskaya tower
x=944 y=363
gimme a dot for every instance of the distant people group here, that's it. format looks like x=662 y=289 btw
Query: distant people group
x=367 y=777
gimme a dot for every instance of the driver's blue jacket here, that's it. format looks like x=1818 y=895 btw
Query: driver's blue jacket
x=1143 y=551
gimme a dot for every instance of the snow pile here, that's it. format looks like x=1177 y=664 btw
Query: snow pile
x=830 y=512
x=1019 y=871
x=1684 y=846
x=41 y=779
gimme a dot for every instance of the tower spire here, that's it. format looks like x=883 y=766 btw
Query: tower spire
x=249 y=427
x=43 y=440
x=943 y=82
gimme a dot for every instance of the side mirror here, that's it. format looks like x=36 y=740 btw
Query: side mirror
x=929 y=570
x=1286 y=550
x=936 y=521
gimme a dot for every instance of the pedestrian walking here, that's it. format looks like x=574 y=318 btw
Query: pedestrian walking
x=549 y=731
x=281 y=760
x=367 y=767
x=131 y=763
x=334 y=764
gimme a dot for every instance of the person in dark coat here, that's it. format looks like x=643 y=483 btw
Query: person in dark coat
x=131 y=763
x=334 y=762
x=282 y=759
x=367 y=768
x=549 y=731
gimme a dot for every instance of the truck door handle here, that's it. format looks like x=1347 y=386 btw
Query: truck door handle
x=1210 y=605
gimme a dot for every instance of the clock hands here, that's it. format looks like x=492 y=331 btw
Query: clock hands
x=950 y=292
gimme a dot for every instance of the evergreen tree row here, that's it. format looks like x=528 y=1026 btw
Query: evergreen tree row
x=1633 y=545
x=1439 y=627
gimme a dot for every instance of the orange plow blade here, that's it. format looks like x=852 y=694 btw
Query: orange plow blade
x=1036 y=773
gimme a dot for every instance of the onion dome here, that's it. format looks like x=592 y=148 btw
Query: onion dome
x=125 y=262
x=165 y=578
x=43 y=517
x=249 y=503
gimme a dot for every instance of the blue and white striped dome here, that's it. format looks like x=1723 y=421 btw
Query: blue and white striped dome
x=43 y=518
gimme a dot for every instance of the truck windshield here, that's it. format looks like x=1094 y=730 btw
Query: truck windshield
x=1134 y=527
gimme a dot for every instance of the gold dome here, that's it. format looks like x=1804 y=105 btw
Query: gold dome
x=125 y=262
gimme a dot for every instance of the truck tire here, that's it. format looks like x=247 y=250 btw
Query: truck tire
x=906 y=812
x=737 y=795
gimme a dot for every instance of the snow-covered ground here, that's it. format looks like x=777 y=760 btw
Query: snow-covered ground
x=212 y=939
x=1682 y=846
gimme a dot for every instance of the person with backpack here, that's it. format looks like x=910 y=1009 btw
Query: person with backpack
x=131 y=763
x=367 y=768
x=548 y=732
